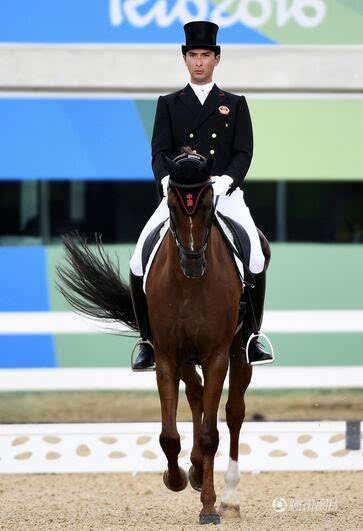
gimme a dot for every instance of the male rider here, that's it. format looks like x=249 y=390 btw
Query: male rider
x=214 y=123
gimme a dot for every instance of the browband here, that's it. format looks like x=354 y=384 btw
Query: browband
x=196 y=185
x=190 y=202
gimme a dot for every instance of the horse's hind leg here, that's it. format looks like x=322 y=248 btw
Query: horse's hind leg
x=194 y=393
x=239 y=379
x=168 y=384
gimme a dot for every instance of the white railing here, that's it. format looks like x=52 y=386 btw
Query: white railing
x=126 y=447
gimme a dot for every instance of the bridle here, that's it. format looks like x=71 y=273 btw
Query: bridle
x=204 y=185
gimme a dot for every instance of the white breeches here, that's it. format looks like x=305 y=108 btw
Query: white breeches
x=232 y=206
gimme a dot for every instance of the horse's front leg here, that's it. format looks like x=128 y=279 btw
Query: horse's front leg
x=214 y=371
x=194 y=394
x=239 y=379
x=167 y=375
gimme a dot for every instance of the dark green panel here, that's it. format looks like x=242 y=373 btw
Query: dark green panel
x=93 y=350
x=103 y=350
x=315 y=277
x=318 y=349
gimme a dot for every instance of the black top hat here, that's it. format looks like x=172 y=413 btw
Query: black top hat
x=201 y=34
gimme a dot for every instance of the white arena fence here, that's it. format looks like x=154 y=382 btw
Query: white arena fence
x=271 y=377
x=134 y=447
x=122 y=379
x=283 y=321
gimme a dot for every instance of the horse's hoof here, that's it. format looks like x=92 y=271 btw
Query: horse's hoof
x=209 y=519
x=197 y=485
x=229 y=511
x=178 y=487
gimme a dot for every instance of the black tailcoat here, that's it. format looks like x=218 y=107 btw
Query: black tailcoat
x=181 y=120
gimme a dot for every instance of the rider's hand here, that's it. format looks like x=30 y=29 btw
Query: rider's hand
x=221 y=184
x=164 y=185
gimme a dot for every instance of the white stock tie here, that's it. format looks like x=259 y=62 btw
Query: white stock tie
x=203 y=95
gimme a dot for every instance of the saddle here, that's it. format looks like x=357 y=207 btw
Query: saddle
x=149 y=245
x=240 y=248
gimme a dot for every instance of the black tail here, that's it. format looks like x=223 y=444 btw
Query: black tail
x=92 y=283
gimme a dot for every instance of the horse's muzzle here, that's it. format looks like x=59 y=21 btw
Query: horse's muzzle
x=193 y=266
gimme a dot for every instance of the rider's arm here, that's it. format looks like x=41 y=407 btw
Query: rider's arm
x=242 y=145
x=161 y=141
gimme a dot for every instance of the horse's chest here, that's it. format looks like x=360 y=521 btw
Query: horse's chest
x=192 y=312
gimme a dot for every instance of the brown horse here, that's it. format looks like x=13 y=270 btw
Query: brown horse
x=193 y=293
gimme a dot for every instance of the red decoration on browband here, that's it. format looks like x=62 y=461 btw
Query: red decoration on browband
x=190 y=202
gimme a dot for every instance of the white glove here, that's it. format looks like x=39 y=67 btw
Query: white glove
x=165 y=184
x=221 y=184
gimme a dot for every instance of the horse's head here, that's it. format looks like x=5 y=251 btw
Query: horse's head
x=191 y=206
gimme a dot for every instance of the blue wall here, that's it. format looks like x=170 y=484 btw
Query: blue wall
x=72 y=139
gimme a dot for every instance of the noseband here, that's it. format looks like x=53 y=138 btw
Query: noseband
x=193 y=255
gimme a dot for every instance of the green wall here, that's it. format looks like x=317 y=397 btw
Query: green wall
x=301 y=277
x=307 y=139
x=299 y=138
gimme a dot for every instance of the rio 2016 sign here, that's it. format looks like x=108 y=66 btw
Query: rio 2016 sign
x=226 y=13
x=161 y=21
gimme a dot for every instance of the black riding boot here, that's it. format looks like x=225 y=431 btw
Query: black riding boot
x=145 y=358
x=257 y=354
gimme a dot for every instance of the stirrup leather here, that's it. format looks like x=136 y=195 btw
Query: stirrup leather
x=138 y=343
x=261 y=362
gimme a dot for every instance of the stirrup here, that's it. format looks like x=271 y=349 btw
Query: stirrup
x=262 y=362
x=141 y=342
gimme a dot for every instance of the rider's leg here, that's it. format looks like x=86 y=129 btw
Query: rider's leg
x=235 y=207
x=145 y=357
x=258 y=293
x=160 y=214
x=256 y=352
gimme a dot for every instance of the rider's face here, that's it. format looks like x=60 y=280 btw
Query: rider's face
x=201 y=63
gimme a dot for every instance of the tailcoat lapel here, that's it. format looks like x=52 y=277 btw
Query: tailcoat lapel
x=190 y=99
x=215 y=99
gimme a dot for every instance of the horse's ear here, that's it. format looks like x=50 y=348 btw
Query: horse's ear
x=169 y=163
